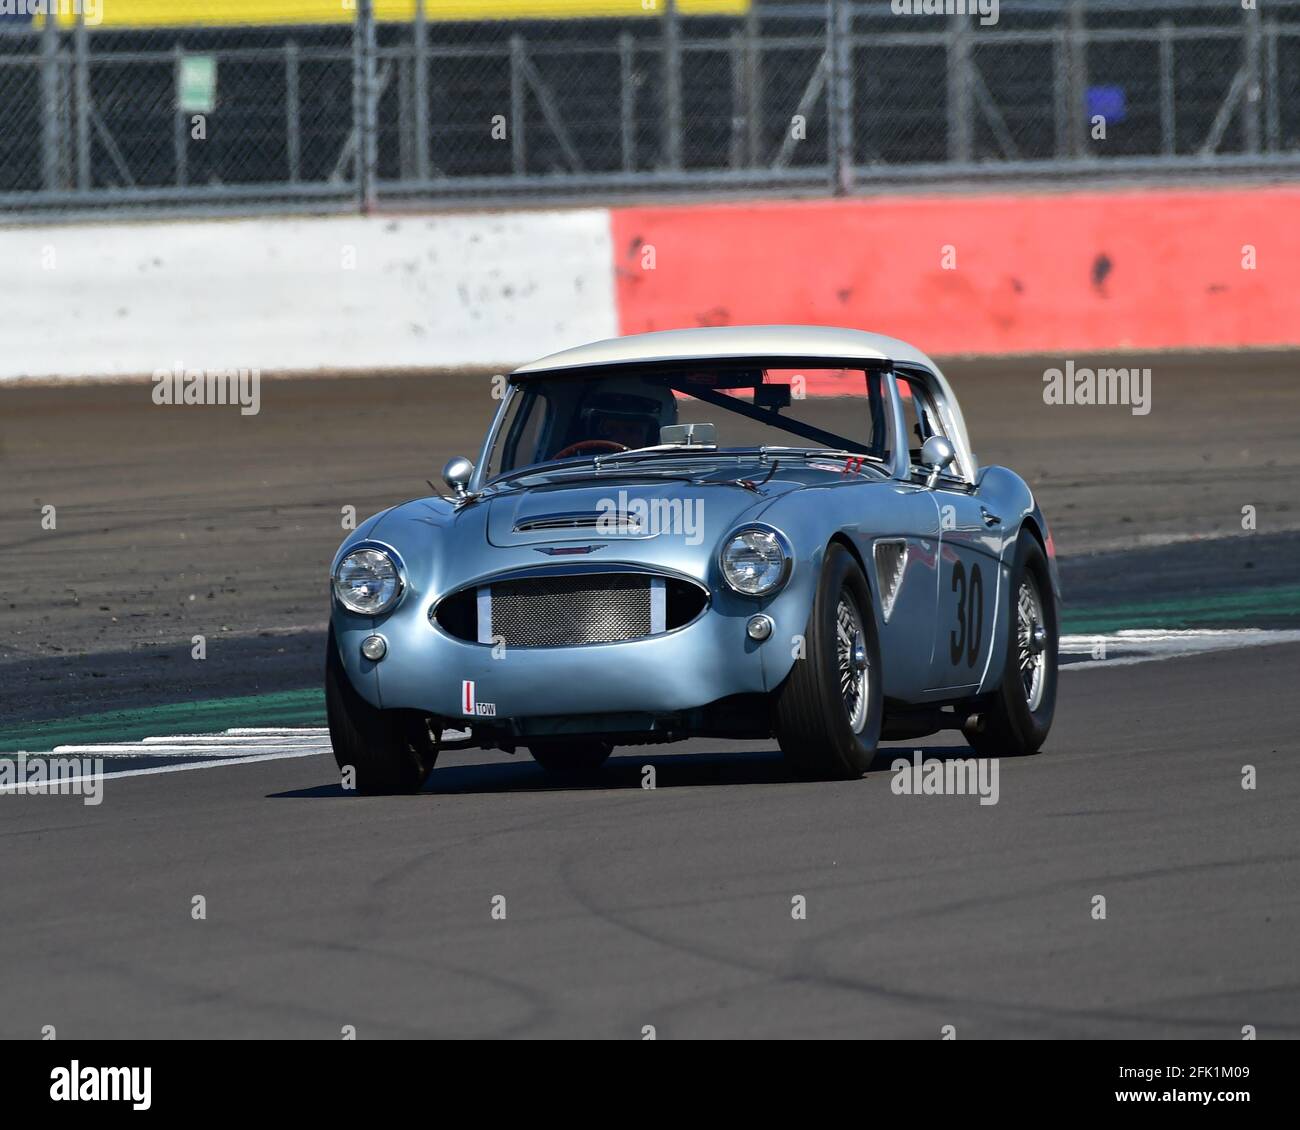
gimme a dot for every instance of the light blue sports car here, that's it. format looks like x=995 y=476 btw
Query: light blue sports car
x=734 y=532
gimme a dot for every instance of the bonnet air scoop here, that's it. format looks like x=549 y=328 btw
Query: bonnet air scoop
x=540 y=516
x=619 y=523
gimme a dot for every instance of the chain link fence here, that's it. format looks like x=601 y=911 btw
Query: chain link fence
x=221 y=105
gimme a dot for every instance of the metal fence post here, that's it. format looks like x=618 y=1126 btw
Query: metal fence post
x=421 y=93
x=753 y=87
x=1272 y=109
x=736 y=64
x=627 y=101
x=365 y=105
x=1168 y=112
x=405 y=66
x=1077 y=80
x=81 y=50
x=50 y=140
x=180 y=143
x=839 y=23
x=1250 y=96
x=961 y=134
x=293 y=114
x=518 y=107
x=672 y=124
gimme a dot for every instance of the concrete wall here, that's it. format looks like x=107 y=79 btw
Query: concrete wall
x=281 y=294
x=954 y=274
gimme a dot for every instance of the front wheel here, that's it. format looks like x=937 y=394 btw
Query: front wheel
x=827 y=713
x=1019 y=713
x=378 y=751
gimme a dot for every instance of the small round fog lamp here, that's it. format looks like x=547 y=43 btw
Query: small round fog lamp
x=374 y=648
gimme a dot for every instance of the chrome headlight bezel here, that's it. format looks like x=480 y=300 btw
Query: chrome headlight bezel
x=399 y=572
x=782 y=543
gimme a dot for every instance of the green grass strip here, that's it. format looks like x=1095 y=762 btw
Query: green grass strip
x=1238 y=609
x=287 y=708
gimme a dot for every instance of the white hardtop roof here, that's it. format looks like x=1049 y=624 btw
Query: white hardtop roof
x=736 y=343
x=717 y=343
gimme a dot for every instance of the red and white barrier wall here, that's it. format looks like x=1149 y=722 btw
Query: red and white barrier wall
x=979 y=273
x=960 y=273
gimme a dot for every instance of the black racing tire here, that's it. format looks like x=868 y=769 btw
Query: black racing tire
x=1010 y=723
x=564 y=757
x=387 y=751
x=820 y=734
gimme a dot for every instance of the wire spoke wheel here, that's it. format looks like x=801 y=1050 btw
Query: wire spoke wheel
x=827 y=712
x=851 y=660
x=1014 y=719
x=1031 y=636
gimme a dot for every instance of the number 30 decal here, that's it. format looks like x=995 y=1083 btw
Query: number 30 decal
x=970 y=615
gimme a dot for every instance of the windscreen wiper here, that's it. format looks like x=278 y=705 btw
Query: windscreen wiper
x=655 y=451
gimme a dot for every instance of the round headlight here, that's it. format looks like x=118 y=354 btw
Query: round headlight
x=367 y=581
x=756 y=561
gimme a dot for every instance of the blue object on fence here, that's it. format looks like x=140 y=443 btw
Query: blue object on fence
x=1108 y=101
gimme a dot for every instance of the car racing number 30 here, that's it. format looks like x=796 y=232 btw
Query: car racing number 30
x=964 y=639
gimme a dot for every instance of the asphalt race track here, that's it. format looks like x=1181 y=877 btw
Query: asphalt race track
x=627 y=907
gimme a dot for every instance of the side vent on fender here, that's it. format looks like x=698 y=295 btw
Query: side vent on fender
x=891 y=559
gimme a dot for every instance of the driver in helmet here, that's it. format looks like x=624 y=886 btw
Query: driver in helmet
x=630 y=430
x=616 y=420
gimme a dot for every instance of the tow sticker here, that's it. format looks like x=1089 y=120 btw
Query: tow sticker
x=469 y=705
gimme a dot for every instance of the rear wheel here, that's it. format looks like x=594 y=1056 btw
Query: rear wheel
x=1018 y=715
x=827 y=713
x=378 y=751
x=565 y=758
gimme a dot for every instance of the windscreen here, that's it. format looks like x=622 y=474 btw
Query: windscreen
x=580 y=416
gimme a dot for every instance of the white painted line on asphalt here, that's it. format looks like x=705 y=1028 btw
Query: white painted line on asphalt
x=214 y=739
x=151 y=770
x=306 y=731
x=228 y=748
x=137 y=752
x=1151 y=645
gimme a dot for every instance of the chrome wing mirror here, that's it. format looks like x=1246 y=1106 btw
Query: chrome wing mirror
x=937 y=454
x=456 y=474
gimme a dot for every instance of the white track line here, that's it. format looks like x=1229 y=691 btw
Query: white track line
x=291 y=731
x=222 y=739
x=206 y=753
x=1152 y=645
x=26 y=788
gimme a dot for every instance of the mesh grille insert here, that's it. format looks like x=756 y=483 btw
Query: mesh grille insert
x=566 y=611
